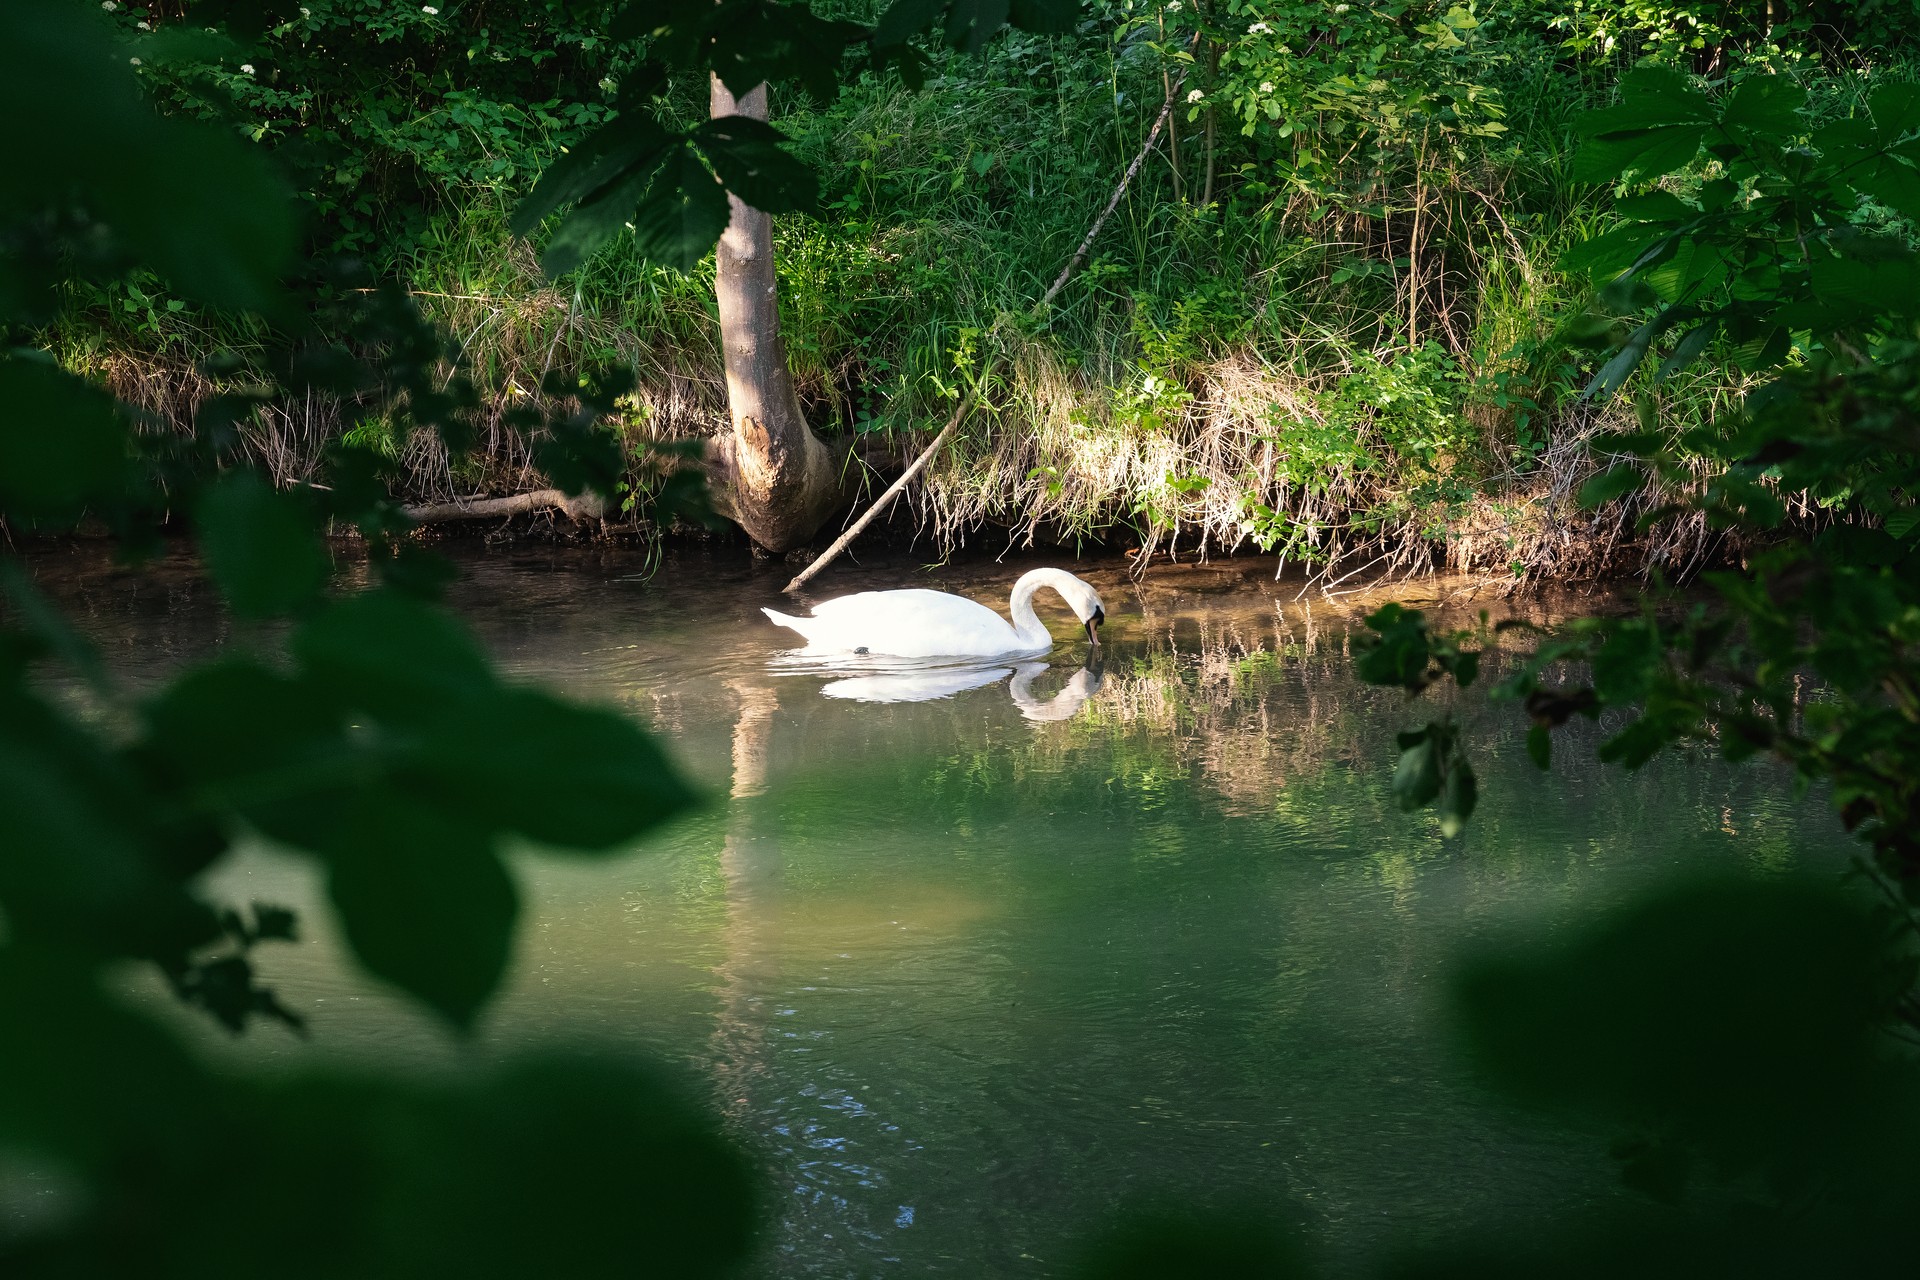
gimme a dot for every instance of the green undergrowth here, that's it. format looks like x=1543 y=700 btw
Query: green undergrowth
x=1334 y=329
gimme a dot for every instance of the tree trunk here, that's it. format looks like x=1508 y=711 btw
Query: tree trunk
x=770 y=474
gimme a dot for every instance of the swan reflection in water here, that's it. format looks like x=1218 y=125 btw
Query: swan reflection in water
x=924 y=684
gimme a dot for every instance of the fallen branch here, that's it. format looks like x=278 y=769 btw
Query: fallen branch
x=880 y=504
x=584 y=506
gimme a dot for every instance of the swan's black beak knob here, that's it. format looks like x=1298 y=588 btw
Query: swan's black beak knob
x=1093 y=625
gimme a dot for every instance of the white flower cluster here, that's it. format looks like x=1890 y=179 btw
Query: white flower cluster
x=1259 y=29
x=429 y=10
x=1266 y=86
x=108 y=5
x=246 y=68
x=1195 y=96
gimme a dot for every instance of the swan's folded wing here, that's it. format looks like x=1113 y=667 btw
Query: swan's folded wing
x=790 y=622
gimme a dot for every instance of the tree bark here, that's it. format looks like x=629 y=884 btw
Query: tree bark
x=769 y=474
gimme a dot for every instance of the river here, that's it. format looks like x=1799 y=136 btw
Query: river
x=967 y=975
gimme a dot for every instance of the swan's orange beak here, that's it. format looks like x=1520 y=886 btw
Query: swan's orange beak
x=1093 y=625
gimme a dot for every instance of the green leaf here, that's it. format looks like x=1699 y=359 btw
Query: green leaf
x=1891 y=183
x=1740 y=1016
x=1608 y=254
x=63 y=445
x=1853 y=287
x=905 y=19
x=1540 y=746
x=1399 y=653
x=1625 y=666
x=1649 y=97
x=1763 y=348
x=208 y=212
x=267 y=746
x=1613 y=483
x=1416 y=778
x=1687 y=350
x=76 y=871
x=424 y=901
x=1645 y=154
x=1766 y=104
x=750 y=157
x=971 y=23
x=1896 y=108
x=756 y=42
x=1458 y=795
x=594 y=223
x=682 y=215
x=1655 y=206
x=632 y=143
x=1044 y=17
x=259 y=546
x=394 y=656
x=1615 y=372
x=561 y=774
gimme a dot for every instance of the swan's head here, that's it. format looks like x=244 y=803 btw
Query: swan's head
x=1086 y=606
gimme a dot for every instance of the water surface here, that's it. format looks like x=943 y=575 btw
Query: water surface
x=967 y=974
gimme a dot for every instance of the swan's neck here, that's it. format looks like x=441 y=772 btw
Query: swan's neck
x=1026 y=623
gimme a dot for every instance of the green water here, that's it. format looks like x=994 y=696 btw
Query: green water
x=965 y=981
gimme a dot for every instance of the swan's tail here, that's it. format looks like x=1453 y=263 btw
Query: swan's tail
x=788 y=621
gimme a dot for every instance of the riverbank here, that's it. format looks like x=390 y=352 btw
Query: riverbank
x=1346 y=345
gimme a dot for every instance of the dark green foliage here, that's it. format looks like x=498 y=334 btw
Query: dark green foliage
x=259 y=546
x=1433 y=767
x=572 y=1166
x=382 y=745
x=62 y=444
x=188 y=200
x=1774 y=240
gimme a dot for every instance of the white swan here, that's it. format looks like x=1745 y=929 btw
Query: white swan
x=918 y=623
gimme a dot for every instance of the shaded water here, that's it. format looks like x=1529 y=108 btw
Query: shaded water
x=967 y=974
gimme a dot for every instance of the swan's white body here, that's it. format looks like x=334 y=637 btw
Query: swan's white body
x=918 y=623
